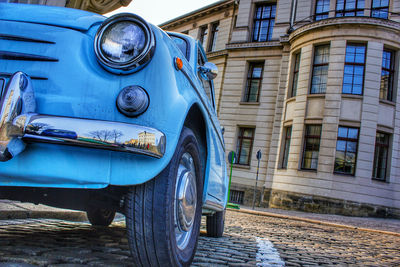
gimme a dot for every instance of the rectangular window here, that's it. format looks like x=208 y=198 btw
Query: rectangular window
x=320 y=69
x=322 y=9
x=264 y=20
x=244 y=145
x=381 y=156
x=346 y=8
x=380 y=9
x=387 y=74
x=214 y=36
x=253 y=82
x=295 y=74
x=312 y=140
x=353 y=77
x=203 y=35
x=346 y=150
x=286 y=146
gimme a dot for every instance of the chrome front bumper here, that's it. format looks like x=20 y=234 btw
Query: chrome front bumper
x=19 y=123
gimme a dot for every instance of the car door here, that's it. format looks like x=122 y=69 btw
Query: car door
x=217 y=181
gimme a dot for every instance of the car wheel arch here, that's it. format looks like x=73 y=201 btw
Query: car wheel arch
x=195 y=120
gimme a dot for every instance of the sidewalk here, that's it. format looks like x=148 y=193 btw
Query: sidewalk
x=364 y=223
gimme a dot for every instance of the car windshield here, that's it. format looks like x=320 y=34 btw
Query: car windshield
x=182 y=45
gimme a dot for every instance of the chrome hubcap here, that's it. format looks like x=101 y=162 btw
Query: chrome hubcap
x=185 y=200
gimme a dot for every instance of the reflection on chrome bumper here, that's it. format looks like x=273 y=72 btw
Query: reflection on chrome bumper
x=19 y=123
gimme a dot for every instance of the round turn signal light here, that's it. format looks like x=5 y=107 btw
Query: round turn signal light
x=178 y=63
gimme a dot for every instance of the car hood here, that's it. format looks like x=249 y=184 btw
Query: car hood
x=56 y=16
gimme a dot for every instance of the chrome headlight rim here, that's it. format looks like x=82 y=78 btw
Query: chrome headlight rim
x=135 y=63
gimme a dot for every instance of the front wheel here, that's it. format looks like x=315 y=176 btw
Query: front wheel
x=163 y=215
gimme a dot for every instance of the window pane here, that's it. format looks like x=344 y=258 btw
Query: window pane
x=350 y=8
x=353 y=133
x=320 y=69
x=387 y=74
x=339 y=5
x=266 y=12
x=381 y=156
x=244 y=144
x=311 y=146
x=263 y=23
x=253 y=83
x=288 y=133
x=353 y=77
x=257 y=71
x=380 y=9
x=346 y=150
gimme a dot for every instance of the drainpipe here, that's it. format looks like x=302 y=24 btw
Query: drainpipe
x=292 y=16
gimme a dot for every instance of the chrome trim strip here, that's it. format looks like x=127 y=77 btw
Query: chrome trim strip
x=213 y=206
x=23 y=56
x=23 y=39
x=107 y=135
x=8 y=75
x=19 y=123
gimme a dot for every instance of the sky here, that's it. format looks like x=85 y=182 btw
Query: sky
x=159 y=11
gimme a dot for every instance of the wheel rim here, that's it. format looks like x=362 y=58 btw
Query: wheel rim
x=185 y=200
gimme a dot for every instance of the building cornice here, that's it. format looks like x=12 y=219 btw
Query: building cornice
x=232 y=46
x=342 y=21
x=97 y=6
x=215 y=54
x=196 y=14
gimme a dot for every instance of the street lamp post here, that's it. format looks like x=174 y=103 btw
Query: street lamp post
x=258 y=155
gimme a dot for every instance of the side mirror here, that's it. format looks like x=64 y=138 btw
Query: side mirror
x=223 y=130
x=209 y=71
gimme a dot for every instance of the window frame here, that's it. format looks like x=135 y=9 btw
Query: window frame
x=355 y=64
x=343 y=12
x=295 y=74
x=270 y=29
x=250 y=78
x=375 y=170
x=314 y=65
x=347 y=140
x=309 y=136
x=286 y=146
x=239 y=144
x=213 y=37
x=201 y=60
x=323 y=14
x=379 y=9
x=391 y=70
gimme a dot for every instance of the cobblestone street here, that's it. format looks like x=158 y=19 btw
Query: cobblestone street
x=61 y=243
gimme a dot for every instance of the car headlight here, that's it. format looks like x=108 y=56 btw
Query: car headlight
x=124 y=43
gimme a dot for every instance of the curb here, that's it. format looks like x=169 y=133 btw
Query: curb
x=295 y=218
x=28 y=214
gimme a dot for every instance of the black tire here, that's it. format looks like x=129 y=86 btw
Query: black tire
x=215 y=224
x=100 y=217
x=150 y=211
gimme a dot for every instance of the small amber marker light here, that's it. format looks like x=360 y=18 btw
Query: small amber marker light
x=178 y=63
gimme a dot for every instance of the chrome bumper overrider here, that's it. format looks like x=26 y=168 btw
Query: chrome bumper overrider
x=19 y=123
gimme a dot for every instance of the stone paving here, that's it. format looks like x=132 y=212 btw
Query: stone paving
x=61 y=243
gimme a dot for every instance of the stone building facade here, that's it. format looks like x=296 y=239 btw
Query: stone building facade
x=313 y=85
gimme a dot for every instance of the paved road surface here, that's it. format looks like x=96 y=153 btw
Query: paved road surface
x=249 y=240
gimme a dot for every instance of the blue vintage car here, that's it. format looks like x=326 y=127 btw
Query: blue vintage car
x=112 y=115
